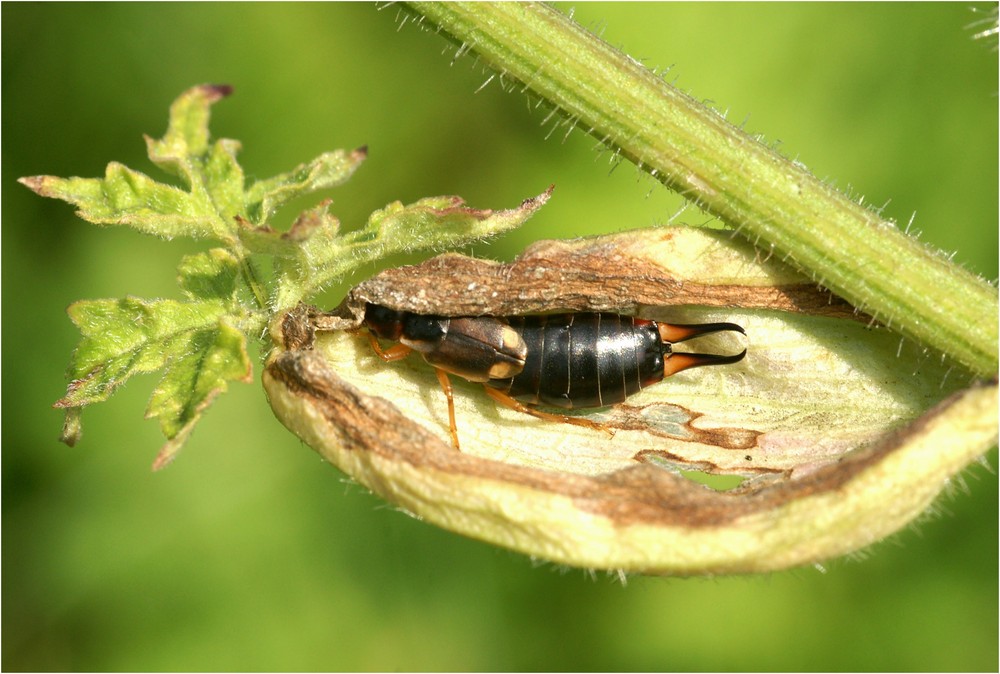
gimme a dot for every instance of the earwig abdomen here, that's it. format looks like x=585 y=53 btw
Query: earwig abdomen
x=583 y=360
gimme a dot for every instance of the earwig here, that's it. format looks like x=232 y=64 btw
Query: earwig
x=569 y=360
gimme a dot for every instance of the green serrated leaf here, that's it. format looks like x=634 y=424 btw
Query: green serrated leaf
x=127 y=197
x=187 y=133
x=223 y=181
x=436 y=223
x=193 y=379
x=443 y=222
x=201 y=341
x=125 y=337
x=315 y=223
x=328 y=170
x=315 y=248
x=211 y=275
x=199 y=349
x=430 y=223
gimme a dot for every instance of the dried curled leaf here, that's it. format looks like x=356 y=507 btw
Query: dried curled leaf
x=815 y=418
x=663 y=267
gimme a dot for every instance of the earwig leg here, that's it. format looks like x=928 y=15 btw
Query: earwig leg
x=507 y=401
x=394 y=352
x=446 y=387
x=400 y=351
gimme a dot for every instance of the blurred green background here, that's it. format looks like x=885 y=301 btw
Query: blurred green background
x=248 y=553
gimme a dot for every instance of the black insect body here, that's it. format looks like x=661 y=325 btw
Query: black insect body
x=570 y=360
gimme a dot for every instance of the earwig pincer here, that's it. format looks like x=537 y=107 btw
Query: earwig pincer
x=567 y=360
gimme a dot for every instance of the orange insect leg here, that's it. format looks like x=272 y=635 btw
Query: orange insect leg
x=507 y=401
x=394 y=352
x=446 y=387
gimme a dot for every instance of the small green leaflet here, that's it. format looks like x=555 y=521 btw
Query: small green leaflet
x=193 y=341
x=320 y=254
x=200 y=341
x=215 y=194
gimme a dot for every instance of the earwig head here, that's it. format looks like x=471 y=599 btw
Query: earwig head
x=677 y=362
x=385 y=322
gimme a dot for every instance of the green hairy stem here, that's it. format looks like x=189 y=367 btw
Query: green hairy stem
x=776 y=203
